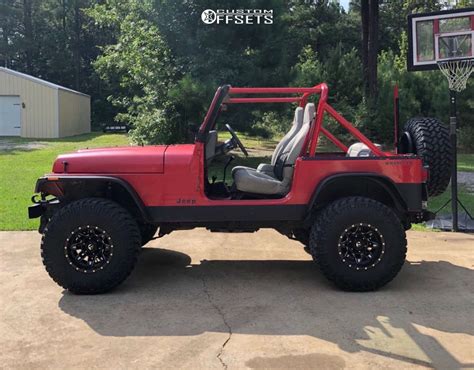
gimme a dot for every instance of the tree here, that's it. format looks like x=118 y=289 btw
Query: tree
x=76 y=46
x=140 y=68
x=155 y=65
x=369 y=11
x=28 y=33
x=10 y=24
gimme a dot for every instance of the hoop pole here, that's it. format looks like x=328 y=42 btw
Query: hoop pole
x=396 y=118
x=454 y=171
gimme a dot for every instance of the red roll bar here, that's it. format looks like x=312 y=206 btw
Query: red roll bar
x=302 y=96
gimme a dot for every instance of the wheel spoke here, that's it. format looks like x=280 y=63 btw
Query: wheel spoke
x=361 y=246
x=88 y=249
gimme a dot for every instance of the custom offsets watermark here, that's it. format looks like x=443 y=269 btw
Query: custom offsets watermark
x=237 y=16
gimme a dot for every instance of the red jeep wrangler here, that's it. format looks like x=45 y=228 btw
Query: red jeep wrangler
x=350 y=209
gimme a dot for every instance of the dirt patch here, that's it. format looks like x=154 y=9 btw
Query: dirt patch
x=466 y=179
x=8 y=145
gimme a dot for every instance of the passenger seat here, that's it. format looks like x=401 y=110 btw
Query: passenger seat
x=249 y=180
x=268 y=168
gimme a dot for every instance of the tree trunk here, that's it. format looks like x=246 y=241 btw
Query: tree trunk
x=364 y=14
x=369 y=13
x=28 y=34
x=76 y=50
x=5 y=47
x=63 y=15
x=373 y=47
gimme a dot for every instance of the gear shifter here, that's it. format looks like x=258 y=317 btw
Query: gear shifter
x=231 y=158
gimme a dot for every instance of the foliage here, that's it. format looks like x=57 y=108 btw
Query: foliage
x=466 y=138
x=156 y=126
x=271 y=124
x=155 y=65
x=141 y=66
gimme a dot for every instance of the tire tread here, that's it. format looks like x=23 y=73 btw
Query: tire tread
x=433 y=144
x=94 y=205
x=319 y=245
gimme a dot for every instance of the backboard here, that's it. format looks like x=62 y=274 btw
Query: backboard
x=440 y=36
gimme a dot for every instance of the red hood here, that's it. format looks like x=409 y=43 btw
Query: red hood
x=129 y=159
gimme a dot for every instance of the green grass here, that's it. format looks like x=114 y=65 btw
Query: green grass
x=19 y=169
x=252 y=143
x=466 y=162
x=260 y=151
x=467 y=198
x=434 y=204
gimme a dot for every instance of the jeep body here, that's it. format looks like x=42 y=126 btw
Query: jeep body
x=167 y=186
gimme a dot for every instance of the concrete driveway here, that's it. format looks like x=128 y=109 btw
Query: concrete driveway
x=202 y=300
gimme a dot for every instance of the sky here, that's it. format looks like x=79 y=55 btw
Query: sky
x=344 y=4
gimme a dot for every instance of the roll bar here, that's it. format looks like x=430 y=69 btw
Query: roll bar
x=227 y=95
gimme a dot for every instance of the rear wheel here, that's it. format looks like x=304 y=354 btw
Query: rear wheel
x=90 y=246
x=359 y=243
x=429 y=138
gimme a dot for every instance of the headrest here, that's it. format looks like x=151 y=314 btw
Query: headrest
x=298 y=120
x=309 y=112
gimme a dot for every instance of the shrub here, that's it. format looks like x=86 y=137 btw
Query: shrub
x=159 y=126
x=272 y=124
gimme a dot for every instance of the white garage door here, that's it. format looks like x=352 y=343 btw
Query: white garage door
x=10 y=115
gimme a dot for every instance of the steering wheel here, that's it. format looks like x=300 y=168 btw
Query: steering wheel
x=236 y=140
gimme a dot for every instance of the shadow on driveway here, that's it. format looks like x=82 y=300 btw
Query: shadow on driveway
x=169 y=296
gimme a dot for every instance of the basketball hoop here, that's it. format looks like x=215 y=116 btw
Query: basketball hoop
x=445 y=40
x=457 y=72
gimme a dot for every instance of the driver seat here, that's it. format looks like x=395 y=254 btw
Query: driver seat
x=249 y=180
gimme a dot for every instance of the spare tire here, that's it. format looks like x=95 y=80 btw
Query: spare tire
x=429 y=138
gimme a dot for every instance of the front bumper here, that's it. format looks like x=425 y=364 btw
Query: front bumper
x=36 y=210
x=41 y=206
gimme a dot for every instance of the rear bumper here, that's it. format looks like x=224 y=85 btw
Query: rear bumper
x=422 y=216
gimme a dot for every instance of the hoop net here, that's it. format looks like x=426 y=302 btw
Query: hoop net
x=457 y=72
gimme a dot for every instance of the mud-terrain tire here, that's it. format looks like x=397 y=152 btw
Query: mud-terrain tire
x=360 y=223
x=302 y=235
x=147 y=232
x=429 y=138
x=90 y=246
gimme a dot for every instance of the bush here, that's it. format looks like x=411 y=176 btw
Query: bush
x=160 y=126
x=272 y=124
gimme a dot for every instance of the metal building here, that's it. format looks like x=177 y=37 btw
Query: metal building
x=34 y=108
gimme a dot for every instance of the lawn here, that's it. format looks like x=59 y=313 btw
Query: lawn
x=466 y=162
x=25 y=160
x=20 y=166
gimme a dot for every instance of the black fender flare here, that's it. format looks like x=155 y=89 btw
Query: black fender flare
x=43 y=183
x=384 y=182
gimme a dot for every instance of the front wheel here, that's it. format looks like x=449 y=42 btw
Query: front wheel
x=147 y=232
x=90 y=246
x=359 y=243
x=302 y=235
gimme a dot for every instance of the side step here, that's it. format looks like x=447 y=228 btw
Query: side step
x=226 y=230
